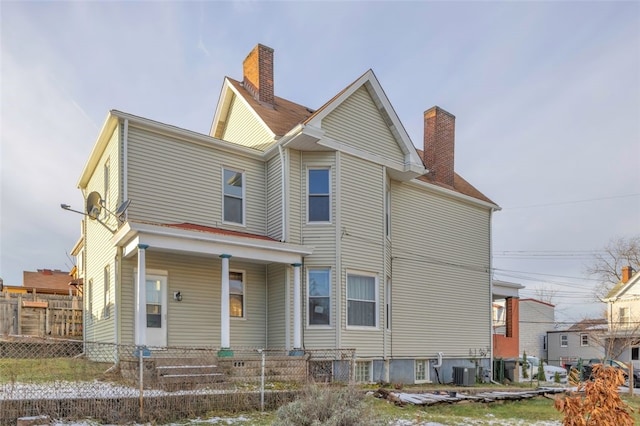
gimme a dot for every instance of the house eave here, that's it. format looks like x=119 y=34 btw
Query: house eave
x=169 y=239
x=454 y=194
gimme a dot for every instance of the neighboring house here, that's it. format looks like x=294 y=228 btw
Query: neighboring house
x=289 y=227
x=506 y=319
x=623 y=317
x=583 y=340
x=44 y=281
x=536 y=317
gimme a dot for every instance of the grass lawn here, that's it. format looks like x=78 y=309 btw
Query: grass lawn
x=40 y=370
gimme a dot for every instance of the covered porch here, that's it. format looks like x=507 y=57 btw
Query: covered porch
x=186 y=284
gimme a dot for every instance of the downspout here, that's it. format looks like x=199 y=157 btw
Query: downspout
x=491 y=296
x=283 y=177
x=338 y=274
x=385 y=276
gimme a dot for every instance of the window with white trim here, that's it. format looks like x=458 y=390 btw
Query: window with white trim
x=319 y=195
x=624 y=317
x=564 y=340
x=584 y=340
x=233 y=200
x=319 y=291
x=90 y=301
x=421 y=370
x=236 y=294
x=362 y=300
x=635 y=353
x=387 y=304
x=363 y=372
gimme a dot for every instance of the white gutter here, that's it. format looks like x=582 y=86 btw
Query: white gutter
x=453 y=194
x=491 y=296
x=338 y=286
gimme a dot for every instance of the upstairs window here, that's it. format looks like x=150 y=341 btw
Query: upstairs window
x=319 y=296
x=106 y=310
x=361 y=301
x=584 y=340
x=564 y=340
x=236 y=294
x=233 y=208
x=624 y=316
x=319 y=203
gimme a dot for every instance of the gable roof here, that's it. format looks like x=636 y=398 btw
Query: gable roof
x=283 y=117
x=589 y=324
x=621 y=288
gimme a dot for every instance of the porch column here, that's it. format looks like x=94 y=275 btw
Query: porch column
x=225 y=339
x=141 y=296
x=297 y=308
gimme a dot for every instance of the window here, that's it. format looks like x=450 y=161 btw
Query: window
x=319 y=282
x=233 y=208
x=236 y=294
x=564 y=340
x=153 y=291
x=361 y=300
x=635 y=354
x=319 y=197
x=106 y=310
x=624 y=317
x=363 y=371
x=422 y=371
x=584 y=340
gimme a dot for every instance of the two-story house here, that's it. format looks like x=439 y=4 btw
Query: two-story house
x=623 y=316
x=289 y=227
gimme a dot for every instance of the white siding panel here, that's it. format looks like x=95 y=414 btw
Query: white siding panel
x=244 y=128
x=274 y=198
x=363 y=241
x=359 y=123
x=195 y=321
x=276 y=303
x=441 y=297
x=295 y=196
x=172 y=181
x=98 y=251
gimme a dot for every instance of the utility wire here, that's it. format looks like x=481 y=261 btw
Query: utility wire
x=563 y=203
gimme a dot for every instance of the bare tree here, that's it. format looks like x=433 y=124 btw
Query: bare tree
x=607 y=267
x=546 y=294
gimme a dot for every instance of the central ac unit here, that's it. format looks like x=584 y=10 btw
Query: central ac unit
x=464 y=376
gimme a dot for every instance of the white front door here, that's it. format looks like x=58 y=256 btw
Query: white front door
x=156 y=310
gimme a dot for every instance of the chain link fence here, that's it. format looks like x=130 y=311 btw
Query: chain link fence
x=71 y=379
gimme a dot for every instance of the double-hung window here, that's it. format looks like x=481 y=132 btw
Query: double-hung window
x=362 y=300
x=319 y=201
x=106 y=310
x=584 y=340
x=236 y=294
x=319 y=291
x=564 y=340
x=233 y=202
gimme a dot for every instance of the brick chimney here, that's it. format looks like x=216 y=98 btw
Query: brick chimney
x=627 y=272
x=257 y=70
x=439 y=141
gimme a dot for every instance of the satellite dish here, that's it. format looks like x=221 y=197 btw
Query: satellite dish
x=123 y=208
x=94 y=205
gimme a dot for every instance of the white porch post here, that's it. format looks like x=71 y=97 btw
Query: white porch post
x=225 y=338
x=141 y=293
x=297 y=307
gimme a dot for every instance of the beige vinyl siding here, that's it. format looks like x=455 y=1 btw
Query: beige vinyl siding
x=358 y=122
x=274 y=198
x=99 y=252
x=276 y=302
x=244 y=128
x=441 y=294
x=322 y=237
x=174 y=181
x=295 y=191
x=363 y=240
x=195 y=321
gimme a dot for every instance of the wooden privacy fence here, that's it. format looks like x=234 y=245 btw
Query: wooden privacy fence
x=40 y=315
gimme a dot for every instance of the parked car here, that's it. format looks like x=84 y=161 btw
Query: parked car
x=549 y=370
x=620 y=365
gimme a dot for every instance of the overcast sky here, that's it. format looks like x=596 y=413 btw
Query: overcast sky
x=546 y=97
